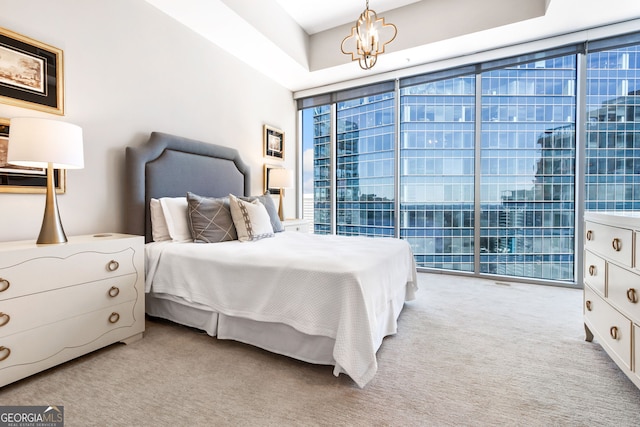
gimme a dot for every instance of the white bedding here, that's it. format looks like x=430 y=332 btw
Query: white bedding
x=334 y=286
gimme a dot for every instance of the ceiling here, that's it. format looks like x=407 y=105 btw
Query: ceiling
x=297 y=42
x=333 y=12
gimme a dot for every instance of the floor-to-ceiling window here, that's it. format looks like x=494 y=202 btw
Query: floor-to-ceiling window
x=612 y=175
x=527 y=173
x=437 y=138
x=365 y=166
x=316 y=182
x=487 y=163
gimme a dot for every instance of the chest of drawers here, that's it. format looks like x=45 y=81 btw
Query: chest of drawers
x=612 y=287
x=58 y=302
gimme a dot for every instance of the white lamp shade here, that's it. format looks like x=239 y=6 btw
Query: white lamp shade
x=37 y=142
x=280 y=178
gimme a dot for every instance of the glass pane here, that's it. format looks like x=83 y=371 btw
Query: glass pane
x=365 y=166
x=612 y=172
x=437 y=138
x=526 y=177
x=316 y=168
x=527 y=173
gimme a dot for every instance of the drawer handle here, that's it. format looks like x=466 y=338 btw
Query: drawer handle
x=114 y=317
x=588 y=305
x=592 y=270
x=616 y=244
x=114 y=291
x=589 y=235
x=632 y=295
x=4 y=284
x=113 y=265
x=5 y=352
x=613 y=331
x=4 y=319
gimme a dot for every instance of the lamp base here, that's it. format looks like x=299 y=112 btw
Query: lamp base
x=280 y=208
x=51 y=232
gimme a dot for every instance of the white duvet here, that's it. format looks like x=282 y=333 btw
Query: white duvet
x=333 y=286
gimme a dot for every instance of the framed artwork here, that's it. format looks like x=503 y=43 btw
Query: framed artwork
x=273 y=140
x=18 y=179
x=31 y=74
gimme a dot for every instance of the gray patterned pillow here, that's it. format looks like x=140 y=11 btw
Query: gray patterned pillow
x=210 y=219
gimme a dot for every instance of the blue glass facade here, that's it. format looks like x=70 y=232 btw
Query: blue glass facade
x=365 y=166
x=484 y=173
x=612 y=176
x=321 y=123
x=437 y=152
x=527 y=174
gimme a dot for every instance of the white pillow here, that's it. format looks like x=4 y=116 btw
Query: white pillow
x=175 y=214
x=251 y=219
x=159 y=230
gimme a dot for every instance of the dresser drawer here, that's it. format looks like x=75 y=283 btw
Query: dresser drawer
x=610 y=327
x=46 y=273
x=636 y=261
x=611 y=242
x=39 y=344
x=636 y=352
x=300 y=225
x=16 y=314
x=623 y=290
x=595 y=271
x=38 y=349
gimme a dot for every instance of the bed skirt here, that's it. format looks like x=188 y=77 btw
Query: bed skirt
x=274 y=337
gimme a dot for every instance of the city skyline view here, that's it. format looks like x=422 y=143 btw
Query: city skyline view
x=481 y=172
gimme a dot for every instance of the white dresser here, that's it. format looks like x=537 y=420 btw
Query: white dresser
x=58 y=302
x=612 y=286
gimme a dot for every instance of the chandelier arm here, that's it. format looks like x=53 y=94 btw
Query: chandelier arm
x=366 y=36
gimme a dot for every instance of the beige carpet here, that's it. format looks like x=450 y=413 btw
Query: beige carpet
x=469 y=352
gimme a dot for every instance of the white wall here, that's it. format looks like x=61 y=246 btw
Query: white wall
x=130 y=70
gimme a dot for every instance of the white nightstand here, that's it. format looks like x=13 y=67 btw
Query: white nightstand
x=300 y=225
x=58 y=302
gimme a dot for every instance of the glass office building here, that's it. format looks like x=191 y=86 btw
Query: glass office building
x=612 y=146
x=437 y=168
x=365 y=166
x=484 y=169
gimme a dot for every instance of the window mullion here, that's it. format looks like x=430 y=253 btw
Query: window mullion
x=476 y=171
x=332 y=168
x=396 y=177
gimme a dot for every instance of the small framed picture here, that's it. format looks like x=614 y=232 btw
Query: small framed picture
x=31 y=74
x=273 y=140
x=19 y=179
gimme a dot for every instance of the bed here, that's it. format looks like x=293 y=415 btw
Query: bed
x=322 y=299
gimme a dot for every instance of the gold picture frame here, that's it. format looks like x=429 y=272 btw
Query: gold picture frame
x=273 y=142
x=31 y=73
x=17 y=179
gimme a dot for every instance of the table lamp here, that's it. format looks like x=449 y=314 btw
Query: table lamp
x=50 y=144
x=280 y=178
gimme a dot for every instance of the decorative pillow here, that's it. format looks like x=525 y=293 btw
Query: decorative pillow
x=210 y=219
x=175 y=213
x=159 y=230
x=271 y=208
x=250 y=218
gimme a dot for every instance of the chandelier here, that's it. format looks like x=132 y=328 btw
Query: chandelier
x=366 y=40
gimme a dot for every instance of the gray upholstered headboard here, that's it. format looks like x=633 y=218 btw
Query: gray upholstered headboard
x=169 y=166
